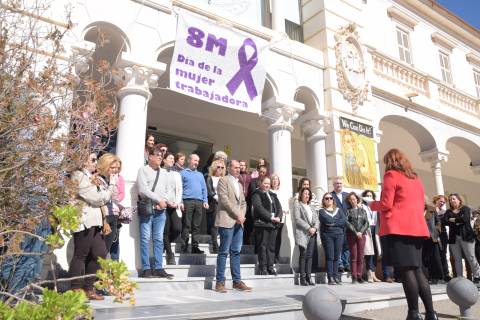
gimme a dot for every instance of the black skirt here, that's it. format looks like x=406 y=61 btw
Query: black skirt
x=405 y=251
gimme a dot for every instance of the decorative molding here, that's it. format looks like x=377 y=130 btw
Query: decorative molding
x=442 y=41
x=473 y=59
x=350 y=66
x=81 y=57
x=281 y=114
x=434 y=156
x=405 y=19
x=315 y=125
x=475 y=169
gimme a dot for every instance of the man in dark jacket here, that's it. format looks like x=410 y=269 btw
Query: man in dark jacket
x=340 y=200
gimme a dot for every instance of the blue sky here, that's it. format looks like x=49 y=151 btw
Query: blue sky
x=468 y=10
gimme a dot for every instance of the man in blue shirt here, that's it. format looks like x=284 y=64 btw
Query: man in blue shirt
x=194 y=200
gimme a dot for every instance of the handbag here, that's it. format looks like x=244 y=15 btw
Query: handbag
x=126 y=214
x=145 y=205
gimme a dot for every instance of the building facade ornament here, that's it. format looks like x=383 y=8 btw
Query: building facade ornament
x=315 y=126
x=135 y=79
x=280 y=114
x=434 y=156
x=350 y=66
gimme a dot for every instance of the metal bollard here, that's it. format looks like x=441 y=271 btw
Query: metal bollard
x=463 y=293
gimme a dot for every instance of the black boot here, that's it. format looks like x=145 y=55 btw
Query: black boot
x=302 y=280
x=414 y=315
x=309 y=280
x=331 y=281
x=431 y=316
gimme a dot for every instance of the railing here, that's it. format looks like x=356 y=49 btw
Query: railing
x=399 y=73
x=458 y=100
x=405 y=76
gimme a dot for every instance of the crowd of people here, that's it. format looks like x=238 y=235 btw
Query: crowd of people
x=411 y=234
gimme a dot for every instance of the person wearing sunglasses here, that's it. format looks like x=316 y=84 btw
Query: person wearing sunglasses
x=216 y=170
x=332 y=232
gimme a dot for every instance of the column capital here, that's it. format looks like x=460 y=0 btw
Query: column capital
x=378 y=136
x=81 y=57
x=137 y=78
x=434 y=156
x=475 y=169
x=315 y=125
x=281 y=114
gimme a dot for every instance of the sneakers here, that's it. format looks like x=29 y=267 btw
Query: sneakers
x=241 y=286
x=147 y=273
x=196 y=250
x=161 y=273
x=220 y=287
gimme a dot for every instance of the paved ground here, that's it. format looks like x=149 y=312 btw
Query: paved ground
x=445 y=310
x=208 y=304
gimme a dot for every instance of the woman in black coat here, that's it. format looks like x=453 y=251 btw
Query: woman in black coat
x=267 y=215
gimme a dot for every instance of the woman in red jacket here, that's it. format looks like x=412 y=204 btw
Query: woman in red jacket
x=401 y=209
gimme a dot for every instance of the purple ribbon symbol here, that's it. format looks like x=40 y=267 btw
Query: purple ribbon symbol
x=245 y=72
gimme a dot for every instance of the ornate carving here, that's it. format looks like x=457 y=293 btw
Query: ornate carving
x=434 y=156
x=280 y=117
x=350 y=67
x=136 y=78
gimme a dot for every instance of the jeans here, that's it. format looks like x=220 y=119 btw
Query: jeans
x=112 y=237
x=231 y=240
x=357 y=247
x=305 y=258
x=192 y=218
x=17 y=272
x=332 y=244
x=344 y=260
x=151 y=227
x=386 y=260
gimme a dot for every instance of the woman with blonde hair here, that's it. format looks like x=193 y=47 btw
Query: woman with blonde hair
x=108 y=165
x=88 y=243
x=216 y=170
x=401 y=209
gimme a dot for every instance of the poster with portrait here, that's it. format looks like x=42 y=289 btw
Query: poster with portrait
x=358 y=155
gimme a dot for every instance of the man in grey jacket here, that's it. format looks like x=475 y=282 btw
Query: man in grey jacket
x=152 y=226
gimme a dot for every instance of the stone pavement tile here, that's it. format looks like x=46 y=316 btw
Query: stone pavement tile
x=446 y=310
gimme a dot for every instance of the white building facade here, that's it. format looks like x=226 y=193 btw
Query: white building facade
x=345 y=81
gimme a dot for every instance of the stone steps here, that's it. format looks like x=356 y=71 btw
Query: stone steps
x=156 y=285
x=208 y=270
x=207 y=248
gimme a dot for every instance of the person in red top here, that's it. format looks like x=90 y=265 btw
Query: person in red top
x=401 y=213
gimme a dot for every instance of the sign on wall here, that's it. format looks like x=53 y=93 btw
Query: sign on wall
x=218 y=64
x=358 y=155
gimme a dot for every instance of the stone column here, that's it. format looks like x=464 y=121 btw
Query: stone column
x=133 y=98
x=280 y=117
x=436 y=157
x=316 y=158
x=278 y=16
